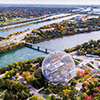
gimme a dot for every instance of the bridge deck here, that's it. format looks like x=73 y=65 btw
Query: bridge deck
x=40 y=46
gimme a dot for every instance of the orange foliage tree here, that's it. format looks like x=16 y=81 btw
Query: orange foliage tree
x=79 y=73
x=87 y=71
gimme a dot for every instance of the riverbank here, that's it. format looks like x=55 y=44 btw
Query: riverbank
x=11 y=47
x=42 y=40
x=89 y=48
x=27 y=20
x=8 y=28
x=62 y=35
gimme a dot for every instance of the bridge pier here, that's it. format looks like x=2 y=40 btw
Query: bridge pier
x=30 y=46
x=46 y=50
x=38 y=48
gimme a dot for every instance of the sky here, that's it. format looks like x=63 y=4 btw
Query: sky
x=65 y=2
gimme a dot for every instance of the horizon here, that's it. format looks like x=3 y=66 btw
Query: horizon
x=51 y=2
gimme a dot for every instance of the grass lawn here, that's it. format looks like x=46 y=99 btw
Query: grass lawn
x=42 y=91
x=47 y=97
x=15 y=39
x=76 y=63
x=78 y=59
x=99 y=67
x=12 y=20
x=90 y=66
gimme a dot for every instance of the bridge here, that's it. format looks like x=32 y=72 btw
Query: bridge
x=38 y=47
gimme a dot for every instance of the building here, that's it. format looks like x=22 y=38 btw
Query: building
x=59 y=67
x=79 y=19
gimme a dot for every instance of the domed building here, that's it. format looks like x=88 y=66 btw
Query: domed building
x=58 y=67
x=79 y=19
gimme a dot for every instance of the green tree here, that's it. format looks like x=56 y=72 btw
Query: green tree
x=34 y=97
x=95 y=90
x=7 y=83
x=83 y=95
x=48 y=91
x=2 y=82
x=52 y=97
x=73 y=82
x=23 y=95
x=65 y=97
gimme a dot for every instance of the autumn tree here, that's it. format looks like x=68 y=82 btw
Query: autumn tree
x=87 y=71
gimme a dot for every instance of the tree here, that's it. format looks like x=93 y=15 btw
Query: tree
x=87 y=98
x=91 y=86
x=19 y=86
x=87 y=71
x=7 y=83
x=15 y=63
x=65 y=97
x=84 y=84
x=83 y=95
x=17 y=75
x=2 y=82
x=52 y=97
x=48 y=91
x=18 y=67
x=80 y=52
x=73 y=82
x=88 y=50
x=78 y=73
x=95 y=90
x=72 y=95
x=34 y=97
x=30 y=79
x=36 y=84
x=23 y=95
x=66 y=91
x=9 y=96
x=9 y=73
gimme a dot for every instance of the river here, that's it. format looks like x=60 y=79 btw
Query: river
x=35 y=26
x=25 y=53
x=50 y=17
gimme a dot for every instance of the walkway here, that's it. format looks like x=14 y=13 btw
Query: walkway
x=87 y=60
x=2 y=75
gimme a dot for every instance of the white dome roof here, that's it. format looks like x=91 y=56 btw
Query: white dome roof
x=58 y=66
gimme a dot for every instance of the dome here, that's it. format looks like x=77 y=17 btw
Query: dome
x=58 y=66
x=79 y=19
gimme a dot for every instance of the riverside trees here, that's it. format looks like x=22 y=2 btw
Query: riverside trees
x=91 y=47
x=12 y=46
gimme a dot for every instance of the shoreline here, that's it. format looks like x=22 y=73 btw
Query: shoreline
x=5 y=29
x=27 y=20
x=47 y=39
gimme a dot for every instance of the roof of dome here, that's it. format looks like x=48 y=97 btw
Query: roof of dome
x=58 y=66
x=79 y=19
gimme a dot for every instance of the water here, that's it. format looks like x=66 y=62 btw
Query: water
x=20 y=54
x=25 y=53
x=50 y=17
x=70 y=41
x=35 y=26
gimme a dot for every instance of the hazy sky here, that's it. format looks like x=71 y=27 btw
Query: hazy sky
x=51 y=1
